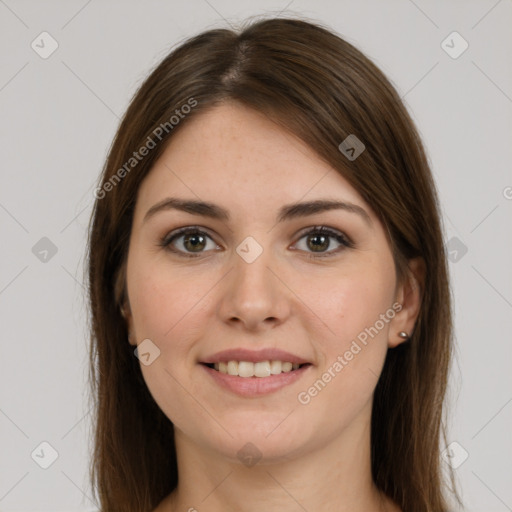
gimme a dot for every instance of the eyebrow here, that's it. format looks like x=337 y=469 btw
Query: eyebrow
x=287 y=212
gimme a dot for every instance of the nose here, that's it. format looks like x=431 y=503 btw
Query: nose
x=254 y=296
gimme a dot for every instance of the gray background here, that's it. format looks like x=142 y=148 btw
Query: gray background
x=57 y=119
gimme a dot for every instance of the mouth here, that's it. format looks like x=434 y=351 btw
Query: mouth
x=259 y=369
x=249 y=379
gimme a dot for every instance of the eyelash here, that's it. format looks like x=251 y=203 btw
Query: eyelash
x=317 y=230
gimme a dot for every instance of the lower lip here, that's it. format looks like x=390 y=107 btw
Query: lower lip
x=255 y=386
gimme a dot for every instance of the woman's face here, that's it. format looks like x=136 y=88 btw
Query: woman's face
x=250 y=281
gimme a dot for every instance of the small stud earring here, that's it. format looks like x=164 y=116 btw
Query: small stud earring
x=403 y=335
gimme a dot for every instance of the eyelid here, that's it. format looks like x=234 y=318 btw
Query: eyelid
x=335 y=233
x=322 y=228
x=165 y=242
x=340 y=237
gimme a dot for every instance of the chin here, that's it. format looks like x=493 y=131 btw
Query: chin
x=268 y=439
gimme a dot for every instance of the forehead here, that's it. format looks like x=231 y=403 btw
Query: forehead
x=233 y=155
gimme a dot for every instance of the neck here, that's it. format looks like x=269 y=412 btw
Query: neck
x=335 y=477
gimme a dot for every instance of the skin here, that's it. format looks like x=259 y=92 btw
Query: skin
x=314 y=456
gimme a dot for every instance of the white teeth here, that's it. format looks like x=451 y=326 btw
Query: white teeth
x=233 y=367
x=286 y=367
x=259 y=369
x=245 y=369
x=275 y=367
x=262 y=369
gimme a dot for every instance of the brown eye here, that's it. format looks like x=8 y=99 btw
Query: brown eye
x=319 y=240
x=189 y=242
x=318 y=243
x=194 y=242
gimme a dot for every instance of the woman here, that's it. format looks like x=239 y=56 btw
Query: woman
x=271 y=316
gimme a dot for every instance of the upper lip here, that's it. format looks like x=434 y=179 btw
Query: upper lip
x=254 y=356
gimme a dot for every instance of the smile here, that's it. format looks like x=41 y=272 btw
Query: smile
x=260 y=369
x=251 y=380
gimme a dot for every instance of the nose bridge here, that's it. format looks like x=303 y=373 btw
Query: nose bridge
x=254 y=294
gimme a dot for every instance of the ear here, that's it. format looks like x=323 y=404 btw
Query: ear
x=409 y=294
x=126 y=313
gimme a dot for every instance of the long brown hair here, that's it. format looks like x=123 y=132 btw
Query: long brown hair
x=322 y=89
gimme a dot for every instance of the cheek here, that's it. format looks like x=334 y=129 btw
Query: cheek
x=165 y=300
x=356 y=309
x=350 y=363
x=166 y=305
x=350 y=303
